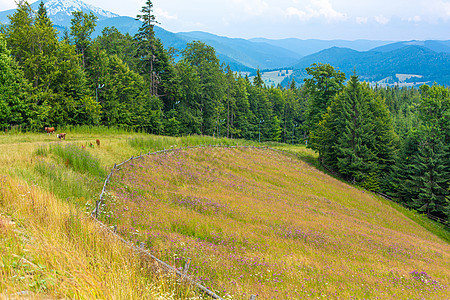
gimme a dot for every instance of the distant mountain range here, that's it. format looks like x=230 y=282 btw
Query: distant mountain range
x=406 y=62
x=383 y=66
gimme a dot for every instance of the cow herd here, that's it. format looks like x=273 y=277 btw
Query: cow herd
x=62 y=136
x=51 y=130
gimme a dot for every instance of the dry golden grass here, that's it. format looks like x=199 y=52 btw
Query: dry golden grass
x=50 y=248
x=57 y=251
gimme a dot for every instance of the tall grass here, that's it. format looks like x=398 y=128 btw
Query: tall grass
x=264 y=210
x=51 y=248
x=65 y=183
x=103 y=130
x=78 y=159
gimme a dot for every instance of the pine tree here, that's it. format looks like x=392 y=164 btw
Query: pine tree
x=400 y=185
x=258 y=81
x=146 y=46
x=243 y=114
x=355 y=144
x=276 y=129
x=154 y=62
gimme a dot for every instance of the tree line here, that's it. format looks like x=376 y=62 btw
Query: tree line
x=132 y=81
x=389 y=140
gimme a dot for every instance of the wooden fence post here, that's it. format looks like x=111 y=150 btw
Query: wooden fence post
x=97 y=204
x=186 y=266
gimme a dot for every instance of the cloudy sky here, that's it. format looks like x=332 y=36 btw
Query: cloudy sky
x=322 y=19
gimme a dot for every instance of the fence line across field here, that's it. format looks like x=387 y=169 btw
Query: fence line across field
x=182 y=274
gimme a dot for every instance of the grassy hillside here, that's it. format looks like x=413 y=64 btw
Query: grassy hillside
x=49 y=247
x=258 y=221
x=253 y=221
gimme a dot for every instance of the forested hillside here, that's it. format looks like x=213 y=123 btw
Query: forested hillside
x=385 y=139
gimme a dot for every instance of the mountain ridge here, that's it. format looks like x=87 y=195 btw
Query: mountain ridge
x=247 y=55
x=376 y=66
x=60 y=11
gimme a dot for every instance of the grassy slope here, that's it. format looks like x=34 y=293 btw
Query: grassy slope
x=48 y=245
x=257 y=221
x=43 y=227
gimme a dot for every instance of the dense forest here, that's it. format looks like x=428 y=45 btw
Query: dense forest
x=390 y=140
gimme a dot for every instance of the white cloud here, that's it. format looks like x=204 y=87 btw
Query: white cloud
x=293 y=11
x=7 y=4
x=439 y=8
x=252 y=7
x=362 y=20
x=315 y=10
x=415 y=19
x=382 y=19
x=164 y=14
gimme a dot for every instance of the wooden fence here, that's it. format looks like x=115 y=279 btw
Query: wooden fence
x=141 y=249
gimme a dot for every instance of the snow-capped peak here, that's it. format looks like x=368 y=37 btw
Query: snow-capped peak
x=57 y=8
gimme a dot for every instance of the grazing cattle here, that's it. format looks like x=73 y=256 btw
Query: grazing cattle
x=98 y=142
x=50 y=130
x=83 y=147
x=61 y=136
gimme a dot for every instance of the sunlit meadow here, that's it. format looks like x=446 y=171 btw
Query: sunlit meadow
x=49 y=246
x=256 y=221
x=221 y=207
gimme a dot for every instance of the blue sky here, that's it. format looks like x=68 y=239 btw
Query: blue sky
x=321 y=19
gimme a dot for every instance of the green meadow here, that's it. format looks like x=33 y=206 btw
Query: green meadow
x=253 y=221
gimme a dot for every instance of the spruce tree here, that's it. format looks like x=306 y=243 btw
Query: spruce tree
x=153 y=60
x=355 y=136
x=81 y=29
x=321 y=88
x=257 y=80
x=431 y=174
x=356 y=158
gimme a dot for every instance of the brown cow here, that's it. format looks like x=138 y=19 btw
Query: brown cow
x=98 y=142
x=50 y=130
x=61 y=136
